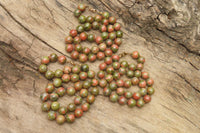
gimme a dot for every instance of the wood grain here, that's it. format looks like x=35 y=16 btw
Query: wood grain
x=165 y=32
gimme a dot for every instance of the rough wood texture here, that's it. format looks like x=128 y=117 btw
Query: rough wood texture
x=166 y=32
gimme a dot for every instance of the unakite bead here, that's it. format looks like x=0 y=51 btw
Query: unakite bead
x=58 y=73
x=95 y=91
x=128 y=94
x=90 y=99
x=46 y=106
x=49 y=88
x=150 y=90
x=114 y=97
x=70 y=118
x=82 y=19
x=80 y=29
x=87 y=26
x=42 y=68
x=53 y=57
x=124 y=64
x=140 y=103
x=91 y=74
x=130 y=73
x=57 y=82
x=143 y=91
x=74 y=78
x=131 y=103
x=62 y=110
x=71 y=91
x=44 y=96
x=105 y=15
x=77 y=13
x=119 y=34
x=85 y=107
x=61 y=91
x=71 y=107
x=107 y=91
x=86 y=84
x=113 y=86
x=78 y=100
x=55 y=106
x=54 y=96
x=83 y=92
x=49 y=74
x=85 y=67
x=52 y=115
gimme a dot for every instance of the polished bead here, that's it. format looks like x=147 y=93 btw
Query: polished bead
x=55 y=106
x=90 y=99
x=42 y=68
x=52 y=115
x=58 y=73
x=74 y=78
x=71 y=107
x=46 y=106
x=114 y=97
x=70 y=118
x=57 y=82
x=78 y=113
x=62 y=110
x=61 y=91
x=60 y=119
x=71 y=91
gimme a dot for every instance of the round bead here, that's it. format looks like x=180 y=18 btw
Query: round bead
x=114 y=97
x=92 y=57
x=74 y=78
x=140 y=103
x=120 y=83
x=62 y=59
x=54 y=96
x=116 y=65
x=42 y=68
x=118 y=41
x=137 y=73
x=142 y=84
x=112 y=20
x=132 y=67
x=95 y=49
x=114 y=48
x=62 y=110
x=98 y=18
x=95 y=91
x=86 y=84
x=57 y=82
x=101 y=74
x=107 y=91
x=122 y=70
x=109 y=42
x=83 y=75
x=46 y=106
x=45 y=60
x=102 y=47
x=109 y=78
x=112 y=35
x=110 y=28
x=135 y=55
x=103 y=28
x=119 y=34
x=73 y=33
x=115 y=58
x=139 y=66
x=49 y=88
x=44 y=96
x=82 y=7
x=105 y=15
x=95 y=25
x=71 y=91
x=66 y=78
x=71 y=107
x=90 y=99
x=99 y=39
x=113 y=86
x=85 y=107
x=80 y=28
x=116 y=75
x=83 y=36
x=69 y=48
x=150 y=90
x=124 y=64
x=131 y=103
x=77 y=39
x=78 y=86
x=100 y=55
x=87 y=26
x=58 y=73
x=122 y=100
x=110 y=70
x=117 y=26
x=70 y=118
x=76 y=69
x=130 y=73
x=94 y=82
x=55 y=106
x=77 y=13
x=74 y=55
x=108 y=60
x=86 y=50
x=85 y=67
x=78 y=100
x=147 y=98
x=91 y=74
x=49 y=74
x=91 y=37
x=136 y=95
x=143 y=91
x=52 y=115
x=141 y=59
x=82 y=19
x=104 y=35
x=127 y=83
x=102 y=83
x=78 y=113
x=120 y=91
x=150 y=82
x=60 y=119
x=108 y=52
x=61 y=91
x=68 y=40
x=89 y=19
x=83 y=93
x=83 y=58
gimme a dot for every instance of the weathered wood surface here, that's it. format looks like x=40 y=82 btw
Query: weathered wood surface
x=166 y=32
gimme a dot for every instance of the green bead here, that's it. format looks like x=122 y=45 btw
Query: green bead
x=83 y=92
x=54 y=96
x=128 y=94
x=71 y=91
x=44 y=96
x=58 y=73
x=87 y=26
x=49 y=88
x=140 y=103
x=131 y=103
x=143 y=91
x=85 y=67
x=116 y=75
x=78 y=100
x=86 y=84
x=55 y=106
x=150 y=90
x=113 y=86
x=89 y=19
x=107 y=91
x=122 y=70
x=76 y=69
x=124 y=64
x=57 y=82
x=104 y=35
x=42 y=68
x=77 y=13
x=46 y=106
x=91 y=74
x=78 y=48
x=95 y=91
x=130 y=73
x=61 y=91
x=71 y=107
x=70 y=118
x=106 y=15
x=53 y=57
x=49 y=74
x=102 y=83
x=112 y=35
x=91 y=37
x=82 y=19
x=119 y=34
x=132 y=67
x=114 y=97
x=52 y=115
x=82 y=7
x=95 y=25
x=80 y=29
x=137 y=73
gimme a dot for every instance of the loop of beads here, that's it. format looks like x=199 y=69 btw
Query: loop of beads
x=85 y=85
